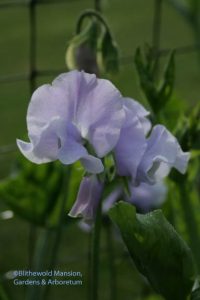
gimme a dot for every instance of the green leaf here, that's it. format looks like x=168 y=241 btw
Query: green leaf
x=35 y=192
x=188 y=130
x=172 y=113
x=157 y=94
x=189 y=207
x=166 y=88
x=107 y=55
x=158 y=251
x=146 y=79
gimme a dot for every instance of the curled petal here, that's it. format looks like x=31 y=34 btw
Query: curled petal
x=89 y=195
x=136 y=107
x=43 y=148
x=163 y=152
x=27 y=150
x=57 y=140
x=146 y=125
x=137 y=111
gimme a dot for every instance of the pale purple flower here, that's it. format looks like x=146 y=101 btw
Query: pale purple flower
x=145 y=197
x=132 y=144
x=89 y=195
x=162 y=153
x=77 y=108
x=146 y=159
x=80 y=117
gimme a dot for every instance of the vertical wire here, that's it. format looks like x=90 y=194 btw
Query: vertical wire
x=97 y=5
x=32 y=86
x=156 y=32
x=32 y=43
x=157 y=20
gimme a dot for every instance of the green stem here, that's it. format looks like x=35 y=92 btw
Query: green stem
x=41 y=249
x=31 y=244
x=89 y=257
x=111 y=261
x=94 y=280
x=43 y=245
x=58 y=233
x=191 y=223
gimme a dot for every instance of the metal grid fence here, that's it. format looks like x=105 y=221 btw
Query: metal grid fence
x=34 y=73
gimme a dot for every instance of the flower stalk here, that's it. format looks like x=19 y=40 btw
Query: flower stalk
x=95 y=254
x=111 y=260
x=91 y=13
x=59 y=229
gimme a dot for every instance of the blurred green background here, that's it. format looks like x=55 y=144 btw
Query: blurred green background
x=131 y=22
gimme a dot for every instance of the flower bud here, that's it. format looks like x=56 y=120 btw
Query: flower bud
x=88 y=197
x=81 y=52
x=107 y=55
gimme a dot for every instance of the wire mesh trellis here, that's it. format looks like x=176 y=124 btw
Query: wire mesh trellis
x=34 y=73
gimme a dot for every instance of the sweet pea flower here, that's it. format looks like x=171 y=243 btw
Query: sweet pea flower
x=76 y=110
x=144 y=197
x=80 y=117
x=146 y=159
x=162 y=153
x=147 y=197
x=88 y=197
